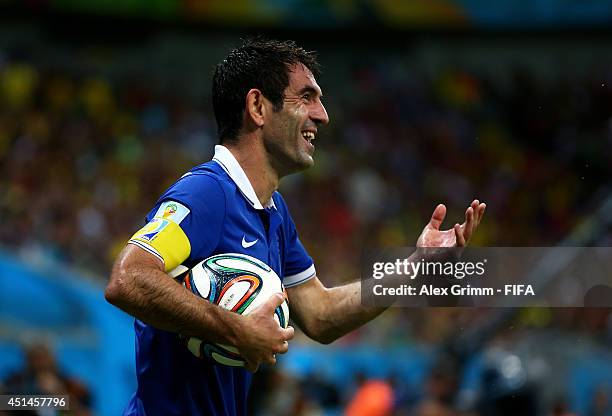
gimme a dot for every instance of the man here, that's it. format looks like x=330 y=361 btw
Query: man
x=268 y=108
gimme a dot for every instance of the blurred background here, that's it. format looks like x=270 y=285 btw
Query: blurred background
x=103 y=104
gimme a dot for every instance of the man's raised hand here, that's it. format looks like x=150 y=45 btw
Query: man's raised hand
x=459 y=235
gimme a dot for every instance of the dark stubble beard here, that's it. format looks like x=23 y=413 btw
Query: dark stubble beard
x=283 y=160
x=284 y=151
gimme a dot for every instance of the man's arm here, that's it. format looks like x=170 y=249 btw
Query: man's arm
x=326 y=314
x=139 y=286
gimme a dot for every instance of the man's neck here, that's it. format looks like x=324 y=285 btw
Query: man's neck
x=253 y=161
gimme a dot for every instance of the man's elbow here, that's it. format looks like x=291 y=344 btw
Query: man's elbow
x=321 y=333
x=112 y=293
x=325 y=339
x=117 y=290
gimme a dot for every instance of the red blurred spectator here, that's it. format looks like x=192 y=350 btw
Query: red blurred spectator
x=373 y=398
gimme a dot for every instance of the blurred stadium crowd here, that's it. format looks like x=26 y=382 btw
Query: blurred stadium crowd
x=83 y=158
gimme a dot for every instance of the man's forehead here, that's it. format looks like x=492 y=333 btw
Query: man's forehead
x=300 y=78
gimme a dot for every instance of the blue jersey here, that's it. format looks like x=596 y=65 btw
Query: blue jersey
x=212 y=209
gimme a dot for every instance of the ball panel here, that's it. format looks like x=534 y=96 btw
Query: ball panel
x=236 y=263
x=239 y=292
x=187 y=282
x=195 y=346
x=229 y=348
x=228 y=361
x=223 y=355
x=201 y=282
x=281 y=315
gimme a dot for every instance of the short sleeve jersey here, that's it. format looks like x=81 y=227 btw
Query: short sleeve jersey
x=212 y=209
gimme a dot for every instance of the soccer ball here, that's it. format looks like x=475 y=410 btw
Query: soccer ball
x=238 y=283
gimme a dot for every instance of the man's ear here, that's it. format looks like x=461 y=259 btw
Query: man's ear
x=255 y=108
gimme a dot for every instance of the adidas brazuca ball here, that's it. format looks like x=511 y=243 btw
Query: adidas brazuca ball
x=238 y=283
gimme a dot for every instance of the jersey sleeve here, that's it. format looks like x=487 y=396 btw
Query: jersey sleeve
x=298 y=265
x=186 y=222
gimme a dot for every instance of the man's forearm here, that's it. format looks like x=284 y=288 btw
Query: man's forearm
x=345 y=312
x=153 y=297
x=327 y=314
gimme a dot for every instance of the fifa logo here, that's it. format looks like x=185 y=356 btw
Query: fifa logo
x=170 y=209
x=152 y=229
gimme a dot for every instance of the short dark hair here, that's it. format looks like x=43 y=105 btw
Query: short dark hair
x=257 y=63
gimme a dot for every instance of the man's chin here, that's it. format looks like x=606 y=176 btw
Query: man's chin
x=307 y=162
x=300 y=165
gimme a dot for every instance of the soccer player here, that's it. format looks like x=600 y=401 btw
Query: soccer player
x=268 y=108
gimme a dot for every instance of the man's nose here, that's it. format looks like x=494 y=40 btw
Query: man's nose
x=319 y=114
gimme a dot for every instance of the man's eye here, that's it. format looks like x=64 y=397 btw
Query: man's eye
x=306 y=97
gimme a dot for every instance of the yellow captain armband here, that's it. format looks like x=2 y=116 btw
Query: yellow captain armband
x=165 y=239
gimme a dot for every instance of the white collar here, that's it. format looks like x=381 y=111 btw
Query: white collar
x=228 y=162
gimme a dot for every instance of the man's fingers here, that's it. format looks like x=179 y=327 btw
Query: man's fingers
x=283 y=348
x=288 y=333
x=273 y=302
x=459 y=236
x=437 y=217
x=481 y=210
x=275 y=339
x=468 y=225
x=478 y=208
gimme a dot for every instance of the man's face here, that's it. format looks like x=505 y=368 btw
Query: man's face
x=288 y=133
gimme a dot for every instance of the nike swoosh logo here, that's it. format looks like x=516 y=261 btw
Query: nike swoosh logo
x=247 y=244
